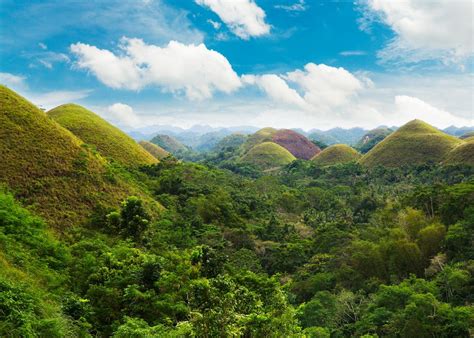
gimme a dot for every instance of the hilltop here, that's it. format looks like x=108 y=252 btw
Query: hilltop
x=260 y=136
x=297 y=144
x=372 y=138
x=153 y=149
x=48 y=167
x=108 y=140
x=169 y=143
x=336 y=154
x=414 y=143
x=268 y=155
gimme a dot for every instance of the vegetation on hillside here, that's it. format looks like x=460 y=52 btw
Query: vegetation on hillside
x=463 y=153
x=295 y=143
x=170 y=144
x=414 y=143
x=336 y=154
x=153 y=149
x=108 y=140
x=372 y=138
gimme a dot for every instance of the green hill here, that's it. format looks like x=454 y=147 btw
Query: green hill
x=372 y=138
x=462 y=154
x=48 y=167
x=414 y=143
x=268 y=155
x=262 y=135
x=169 y=143
x=109 y=141
x=153 y=149
x=467 y=135
x=336 y=154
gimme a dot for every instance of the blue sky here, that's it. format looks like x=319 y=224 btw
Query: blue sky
x=282 y=63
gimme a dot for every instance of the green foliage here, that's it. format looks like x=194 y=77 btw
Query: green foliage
x=157 y=152
x=268 y=155
x=336 y=154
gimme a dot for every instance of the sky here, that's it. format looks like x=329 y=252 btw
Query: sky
x=281 y=63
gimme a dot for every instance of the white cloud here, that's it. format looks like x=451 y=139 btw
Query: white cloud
x=325 y=87
x=48 y=59
x=352 y=53
x=425 y=30
x=299 y=6
x=42 y=46
x=215 y=24
x=13 y=81
x=192 y=69
x=122 y=114
x=408 y=108
x=243 y=17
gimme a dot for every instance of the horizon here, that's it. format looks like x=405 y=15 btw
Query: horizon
x=285 y=64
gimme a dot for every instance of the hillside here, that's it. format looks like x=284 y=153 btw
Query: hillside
x=414 y=143
x=372 y=138
x=109 y=141
x=169 y=143
x=268 y=155
x=462 y=154
x=48 y=167
x=262 y=135
x=295 y=143
x=467 y=135
x=336 y=154
x=153 y=149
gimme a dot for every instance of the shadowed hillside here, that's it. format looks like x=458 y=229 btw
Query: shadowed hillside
x=153 y=149
x=295 y=143
x=462 y=154
x=414 y=143
x=372 y=138
x=336 y=154
x=169 y=143
x=268 y=155
x=262 y=135
x=47 y=166
x=109 y=141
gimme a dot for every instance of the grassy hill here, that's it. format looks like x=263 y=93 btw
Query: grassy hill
x=262 y=135
x=297 y=144
x=462 y=154
x=169 y=143
x=109 y=141
x=414 y=143
x=46 y=166
x=372 y=138
x=336 y=154
x=268 y=155
x=153 y=149
x=467 y=135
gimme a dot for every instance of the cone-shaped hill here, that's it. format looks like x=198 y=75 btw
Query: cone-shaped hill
x=336 y=154
x=268 y=155
x=48 y=167
x=462 y=154
x=169 y=143
x=414 y=143
x=153 y=149
x=260 y=136
x=297 y=144
x=109 y=141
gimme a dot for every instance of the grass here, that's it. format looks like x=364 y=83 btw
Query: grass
x=268 y=155
x=155 y=150
x=295 y=143
x=50 y=169
x=462 y=154
x=262 y=135
x=336 y=154
x=414 y=143
x=168 y=143
x=109 y=141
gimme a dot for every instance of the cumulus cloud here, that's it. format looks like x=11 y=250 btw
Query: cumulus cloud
x=53 y=99
x=408 y=108
x=176 y=67
x=122 y=114
x=243 y=17
x=425 y=30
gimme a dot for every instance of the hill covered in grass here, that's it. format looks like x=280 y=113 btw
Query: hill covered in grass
x=48 y=167
x=414 y=143
x=268 y=155
x=297 y=144
x=153 y=149
x=336 y=154
x=109 y=141
x=372 y=138
x=260 y=136
x=462 y=154
x=169 y=143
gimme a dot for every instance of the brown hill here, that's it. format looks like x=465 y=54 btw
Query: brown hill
x=297 y=144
